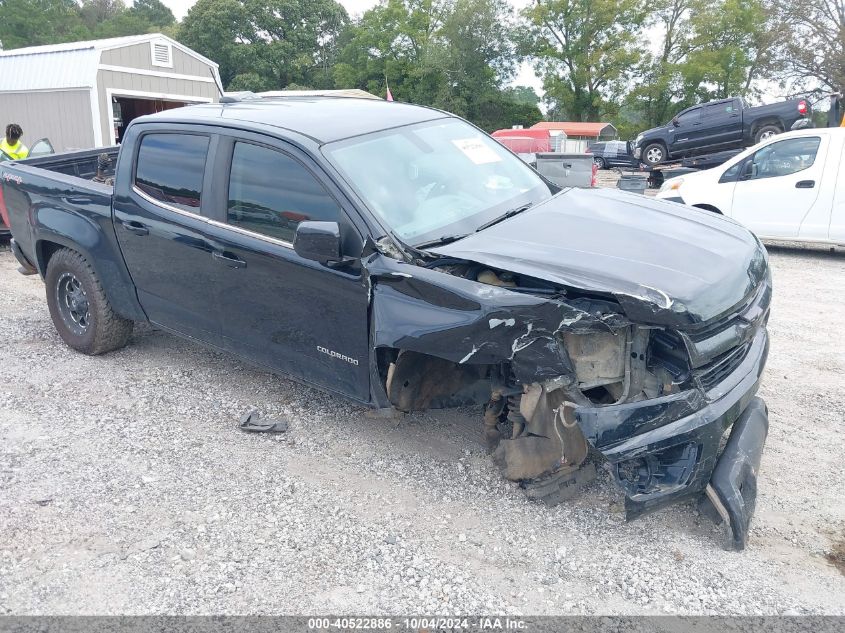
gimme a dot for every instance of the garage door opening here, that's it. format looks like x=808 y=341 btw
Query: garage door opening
x=125 y=109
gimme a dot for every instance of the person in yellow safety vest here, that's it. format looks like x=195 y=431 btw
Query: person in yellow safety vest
x=11 y=144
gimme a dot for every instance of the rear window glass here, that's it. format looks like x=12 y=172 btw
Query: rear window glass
x=170 y=168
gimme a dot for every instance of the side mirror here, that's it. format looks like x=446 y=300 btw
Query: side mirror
x=749 y=170
x=676 y=122
x=317 y=241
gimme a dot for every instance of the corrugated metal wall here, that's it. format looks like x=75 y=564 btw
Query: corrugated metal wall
x=63 y=116
x=138 y=56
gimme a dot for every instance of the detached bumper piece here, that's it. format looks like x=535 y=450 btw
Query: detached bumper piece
x=735 y=476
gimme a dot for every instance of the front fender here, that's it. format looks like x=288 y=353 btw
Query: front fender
x=468 y=322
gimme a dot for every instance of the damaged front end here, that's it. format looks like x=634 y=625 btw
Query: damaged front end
x=562 y=370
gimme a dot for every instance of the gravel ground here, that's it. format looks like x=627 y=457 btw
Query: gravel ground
x=126 y=489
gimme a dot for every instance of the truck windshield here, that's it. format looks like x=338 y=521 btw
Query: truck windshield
x=441 y=179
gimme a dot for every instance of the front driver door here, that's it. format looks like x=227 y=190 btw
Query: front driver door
x=684 y=132
x=282 y=311
x=779 y=185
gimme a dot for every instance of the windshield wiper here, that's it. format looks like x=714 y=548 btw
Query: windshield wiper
x=504 y=216
x=440 y=241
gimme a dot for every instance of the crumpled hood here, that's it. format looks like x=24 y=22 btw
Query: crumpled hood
x=666 y=264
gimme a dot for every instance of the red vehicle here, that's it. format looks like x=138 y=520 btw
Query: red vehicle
x=524 y=141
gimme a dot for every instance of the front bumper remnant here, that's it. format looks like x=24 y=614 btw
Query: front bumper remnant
x=666 y=450
x=735 y=477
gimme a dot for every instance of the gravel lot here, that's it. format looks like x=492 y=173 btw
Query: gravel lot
x=126 y=489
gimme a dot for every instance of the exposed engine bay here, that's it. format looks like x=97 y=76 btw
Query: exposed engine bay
x=564 y=373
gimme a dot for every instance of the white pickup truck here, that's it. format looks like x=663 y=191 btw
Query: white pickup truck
x=789 y=187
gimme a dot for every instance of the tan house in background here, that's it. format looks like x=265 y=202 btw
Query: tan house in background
x=83 y=94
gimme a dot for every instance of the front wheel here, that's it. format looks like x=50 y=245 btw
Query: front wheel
x=79 y=307
x=654 y=154
x=766 y=132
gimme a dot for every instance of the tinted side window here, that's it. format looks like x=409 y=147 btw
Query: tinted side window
x=783 y=158
x=270 y=193
x=170 y=168
x=717 y=110
x=690 y=117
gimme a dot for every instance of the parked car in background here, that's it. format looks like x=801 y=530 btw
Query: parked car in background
x=608 y=154
x=790 y=187
x=724 y=124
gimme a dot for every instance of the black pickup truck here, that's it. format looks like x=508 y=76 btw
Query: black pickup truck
x=398 y=256
x=724 y=124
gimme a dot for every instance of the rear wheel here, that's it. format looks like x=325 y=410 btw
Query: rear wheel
x=766 y=132
x=654 y=154
x=600 y=162
x=79 y=307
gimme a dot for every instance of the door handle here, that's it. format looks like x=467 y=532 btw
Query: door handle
x=135 y=227
x=228 y=259
x=805 y=184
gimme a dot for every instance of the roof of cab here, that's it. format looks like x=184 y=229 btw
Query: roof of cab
x=323 y=119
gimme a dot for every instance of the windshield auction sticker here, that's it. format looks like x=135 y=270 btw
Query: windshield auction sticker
x=477 y=151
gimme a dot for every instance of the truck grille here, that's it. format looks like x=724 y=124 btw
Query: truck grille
x=711 y=353
x=721 y=367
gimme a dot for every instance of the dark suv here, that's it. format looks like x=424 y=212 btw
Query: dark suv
x=612 y=154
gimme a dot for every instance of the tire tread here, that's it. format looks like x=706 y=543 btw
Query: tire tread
x=111 y=331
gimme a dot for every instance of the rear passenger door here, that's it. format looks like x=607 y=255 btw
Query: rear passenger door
x=721 y=124
x=162 y=228
x=293 y=315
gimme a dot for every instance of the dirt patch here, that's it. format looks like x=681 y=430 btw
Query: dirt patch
x=836 y=556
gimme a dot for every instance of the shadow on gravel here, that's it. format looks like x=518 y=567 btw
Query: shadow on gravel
x=813 y=251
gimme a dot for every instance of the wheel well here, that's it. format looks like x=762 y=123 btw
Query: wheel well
x=708 y=207
x=43 y=252
x=758 y=124
x=416 y=381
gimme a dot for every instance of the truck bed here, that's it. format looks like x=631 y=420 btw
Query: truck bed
x=49 y=186
x=82 y=164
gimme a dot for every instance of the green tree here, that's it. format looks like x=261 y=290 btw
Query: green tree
x=525 y=95
x=220 y=30
x=731 y=46
x=37 y=22
x=252 y=82
x=656 y=95
x=281 y=41
x=710 y=49
x=154 y=12
x=585 y=50
x=450 y=54
x=396 y=43
x=95 y=12
x=812 y=50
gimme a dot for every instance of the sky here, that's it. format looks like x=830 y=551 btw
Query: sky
x=525 y=74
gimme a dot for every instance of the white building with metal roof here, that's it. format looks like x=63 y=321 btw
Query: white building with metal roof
x=83 y=94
